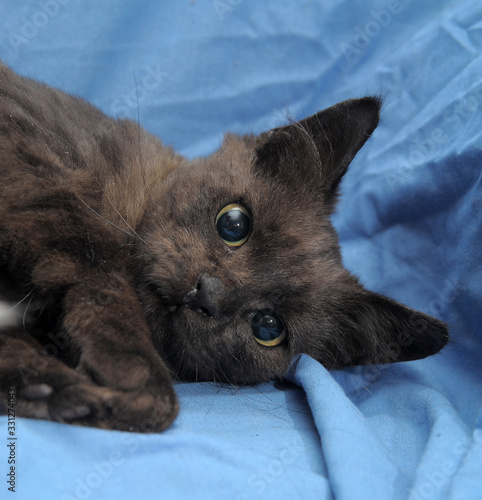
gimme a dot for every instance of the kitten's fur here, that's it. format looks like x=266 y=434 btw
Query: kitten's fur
x=108 y=240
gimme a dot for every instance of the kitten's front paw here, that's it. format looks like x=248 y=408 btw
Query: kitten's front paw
x=48 y=402
x=133 y=393
x=61 y=394
x=140 y=411
x=79 y=401
x=122 y=392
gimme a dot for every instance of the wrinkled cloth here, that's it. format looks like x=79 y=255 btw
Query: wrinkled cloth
x=409 y=220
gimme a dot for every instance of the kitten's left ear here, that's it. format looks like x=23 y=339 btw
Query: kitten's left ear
x=335 y=134
x=373 y=329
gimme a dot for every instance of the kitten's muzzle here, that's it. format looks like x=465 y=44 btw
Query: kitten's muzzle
x=207 y=296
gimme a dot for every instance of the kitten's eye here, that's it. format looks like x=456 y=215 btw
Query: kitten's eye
x=268 y=329
x=233 y=224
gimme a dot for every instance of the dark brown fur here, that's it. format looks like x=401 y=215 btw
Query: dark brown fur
x=104 y=233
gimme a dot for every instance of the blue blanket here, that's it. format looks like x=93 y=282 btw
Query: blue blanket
x=410 y=223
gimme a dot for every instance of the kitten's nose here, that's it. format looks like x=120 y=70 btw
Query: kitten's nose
x=207 y=297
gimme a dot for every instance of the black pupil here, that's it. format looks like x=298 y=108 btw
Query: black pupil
x=233 y=226
x=267 y=326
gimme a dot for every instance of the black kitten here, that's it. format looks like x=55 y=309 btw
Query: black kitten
x=132 y=264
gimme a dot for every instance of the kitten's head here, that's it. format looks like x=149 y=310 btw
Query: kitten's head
x=241 y=269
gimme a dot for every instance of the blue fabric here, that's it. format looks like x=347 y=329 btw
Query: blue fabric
x=410 y=222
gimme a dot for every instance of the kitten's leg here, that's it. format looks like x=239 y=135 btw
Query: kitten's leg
x=120 y=379
x=120 y=382
x=106 y=323
x=75 y=263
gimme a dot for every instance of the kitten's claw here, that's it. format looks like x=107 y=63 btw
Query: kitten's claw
x=74 y=413
x=36 y=391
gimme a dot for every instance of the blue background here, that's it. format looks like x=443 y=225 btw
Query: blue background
x=410 y=222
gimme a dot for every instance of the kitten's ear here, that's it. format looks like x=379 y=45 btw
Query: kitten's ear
x=337 y=133
x=377 y=330
x=340 y=131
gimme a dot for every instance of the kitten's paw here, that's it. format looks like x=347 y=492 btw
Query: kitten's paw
x=36 y=391
x=127 y=392
x=139 y=411
x=61 y=394
x=133 y=393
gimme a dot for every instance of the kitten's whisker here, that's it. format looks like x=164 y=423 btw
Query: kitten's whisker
x=180 y=361
x=138 y=125
x=134 y=233
x=300 y=127
x=24 y=319
x=25 y=298
x=139 y=154
x=103 y=218
x=224 y=378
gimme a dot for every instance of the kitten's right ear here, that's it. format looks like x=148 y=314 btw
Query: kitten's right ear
x=321 y=146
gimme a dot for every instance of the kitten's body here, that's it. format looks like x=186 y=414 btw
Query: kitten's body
x=110 y=240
